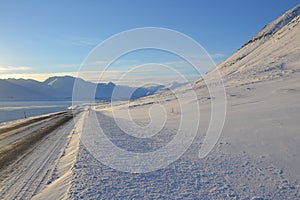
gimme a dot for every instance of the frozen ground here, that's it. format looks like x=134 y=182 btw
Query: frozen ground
x=36 y=166
x=256 y=157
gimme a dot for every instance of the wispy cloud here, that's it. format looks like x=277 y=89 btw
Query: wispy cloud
x=14 y=69
x=84 y=41
x=124 y=72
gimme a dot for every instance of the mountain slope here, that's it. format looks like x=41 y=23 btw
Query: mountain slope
x=63 y=85
x=262 y=83
x=9 y=90
x=273 y=53
x=43 y=91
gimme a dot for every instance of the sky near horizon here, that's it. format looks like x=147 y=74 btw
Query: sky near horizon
x=44 y=38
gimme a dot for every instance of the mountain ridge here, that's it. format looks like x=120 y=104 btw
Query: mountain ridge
x=61 y=88
x=272 y=53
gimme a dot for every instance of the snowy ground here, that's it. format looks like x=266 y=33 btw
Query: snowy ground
x=256 y=156
x=35 y=167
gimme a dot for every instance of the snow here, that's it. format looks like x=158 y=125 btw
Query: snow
x=256 y=157
x=34 y=167
x=277 y=24
x=52 y=82
x=62 y=178
x=267 y=58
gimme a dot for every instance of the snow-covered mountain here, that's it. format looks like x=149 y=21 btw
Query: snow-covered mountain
x=64 y=85
x=262 y=83
x=272 y=53
x=61 y=88
x=171 y=86
x=21 y=89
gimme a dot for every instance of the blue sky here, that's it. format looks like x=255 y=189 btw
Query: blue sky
x=54 y=37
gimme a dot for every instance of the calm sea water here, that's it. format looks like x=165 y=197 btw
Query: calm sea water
x=10 y=111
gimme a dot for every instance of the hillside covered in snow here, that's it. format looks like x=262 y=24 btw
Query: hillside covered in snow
x=104 y=154
x=271 y=54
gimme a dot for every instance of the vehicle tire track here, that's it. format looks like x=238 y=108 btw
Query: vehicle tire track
x=32 y=172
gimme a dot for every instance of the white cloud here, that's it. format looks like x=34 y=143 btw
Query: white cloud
x=13 y=69
x=135 y=73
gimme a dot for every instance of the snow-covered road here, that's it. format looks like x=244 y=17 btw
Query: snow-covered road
x=30 y=173
x=38 y=123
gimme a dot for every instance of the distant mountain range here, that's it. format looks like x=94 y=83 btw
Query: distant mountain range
x=61 y=88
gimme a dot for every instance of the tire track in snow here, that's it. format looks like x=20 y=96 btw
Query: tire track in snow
x=32 y=171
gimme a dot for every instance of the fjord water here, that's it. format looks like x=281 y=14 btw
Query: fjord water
x=13 y=110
